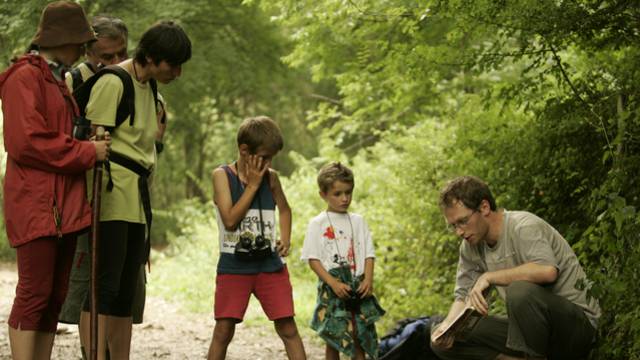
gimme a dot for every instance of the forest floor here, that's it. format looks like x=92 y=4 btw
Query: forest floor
x=168 y=332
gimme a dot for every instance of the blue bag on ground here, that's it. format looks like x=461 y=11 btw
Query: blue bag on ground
x=408 y=340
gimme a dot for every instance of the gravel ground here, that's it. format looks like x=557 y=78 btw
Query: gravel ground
x=168 y=333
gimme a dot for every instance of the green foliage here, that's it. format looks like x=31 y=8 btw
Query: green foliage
x=610 y=249
x=400 y=206
x=235 y=72
x=415 y=254
x=17 y=26
x=538 y=98
x=187 y=279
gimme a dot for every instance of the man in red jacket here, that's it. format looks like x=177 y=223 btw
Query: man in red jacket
x=45 y=203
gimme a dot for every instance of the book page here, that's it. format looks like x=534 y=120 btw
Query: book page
x=464 y=322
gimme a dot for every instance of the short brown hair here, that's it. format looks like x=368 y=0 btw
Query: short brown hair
x=260 y=131
x=333 y=172
x=469 y=190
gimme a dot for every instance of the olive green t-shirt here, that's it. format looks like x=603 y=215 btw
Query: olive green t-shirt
x=526 y=238
x=137 y=143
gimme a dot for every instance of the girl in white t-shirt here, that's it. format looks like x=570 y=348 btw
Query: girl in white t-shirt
x=339 y=249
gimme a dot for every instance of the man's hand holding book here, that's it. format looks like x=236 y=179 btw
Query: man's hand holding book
x=472 y=310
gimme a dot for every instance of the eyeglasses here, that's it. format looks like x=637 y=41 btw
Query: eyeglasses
x=461 y=223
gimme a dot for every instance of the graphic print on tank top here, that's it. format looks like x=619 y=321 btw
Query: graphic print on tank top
x=263 y=202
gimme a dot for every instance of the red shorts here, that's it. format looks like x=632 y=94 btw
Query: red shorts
x=273 y=290
x=44 y=265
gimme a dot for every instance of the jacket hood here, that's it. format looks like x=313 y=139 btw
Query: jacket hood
x=28 y=59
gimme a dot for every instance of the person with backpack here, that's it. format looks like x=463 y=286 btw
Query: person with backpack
x=109 y=48
x=45 y=205
x=125 y=213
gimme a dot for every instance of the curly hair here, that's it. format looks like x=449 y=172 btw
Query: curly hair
x=333 y=172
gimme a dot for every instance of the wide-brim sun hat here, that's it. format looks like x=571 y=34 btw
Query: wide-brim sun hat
x=62 y=23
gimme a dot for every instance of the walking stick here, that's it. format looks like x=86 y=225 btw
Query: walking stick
x=95 y=228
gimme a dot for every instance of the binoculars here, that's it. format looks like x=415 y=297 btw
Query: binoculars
x=251 y=247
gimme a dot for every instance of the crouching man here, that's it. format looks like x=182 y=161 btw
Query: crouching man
x=549 y=315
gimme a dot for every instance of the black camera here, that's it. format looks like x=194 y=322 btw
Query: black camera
x=251 y=247
x=352 y=303
x=81 y=128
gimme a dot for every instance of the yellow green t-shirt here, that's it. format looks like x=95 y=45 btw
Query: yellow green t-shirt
x=137 y=143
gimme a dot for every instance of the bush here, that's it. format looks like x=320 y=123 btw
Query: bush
x=396 y=191
x=184 y=270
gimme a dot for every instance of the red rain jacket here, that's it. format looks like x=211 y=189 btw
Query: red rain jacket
x=44 y=184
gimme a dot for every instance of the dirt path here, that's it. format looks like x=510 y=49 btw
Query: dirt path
x=167 y=333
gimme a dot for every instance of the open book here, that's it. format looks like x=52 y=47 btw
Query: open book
x=462 y=324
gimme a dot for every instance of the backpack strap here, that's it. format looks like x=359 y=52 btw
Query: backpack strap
x=154 y=89
x=76 y=75
x=76 y=78
x=126 y=107
x=159 y=104
x=143 y=187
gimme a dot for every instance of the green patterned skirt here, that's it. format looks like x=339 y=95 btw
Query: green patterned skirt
x=335 y=324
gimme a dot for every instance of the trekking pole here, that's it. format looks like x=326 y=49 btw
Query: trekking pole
x=95 y=237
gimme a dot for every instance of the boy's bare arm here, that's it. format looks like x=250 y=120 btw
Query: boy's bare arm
x=231 y=214
x=284 y=214
x=368 y=268
x=341 y=289
x=366 y=286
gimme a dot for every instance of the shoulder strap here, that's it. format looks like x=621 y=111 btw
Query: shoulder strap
x=76 y=78
x=126 y=107
x=76 y=75
x=154 y=88
x=227 y=169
